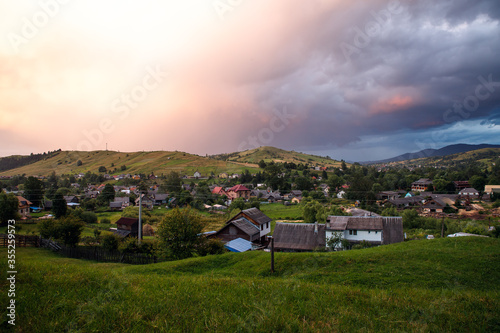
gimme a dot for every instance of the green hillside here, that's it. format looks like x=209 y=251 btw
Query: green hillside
x=268 y=154
x=486 y=156
x=159 y=162
x=440 y=285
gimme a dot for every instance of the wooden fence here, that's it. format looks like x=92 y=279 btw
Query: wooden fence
x=100 y=254
x=96 y=253
x=21 y=240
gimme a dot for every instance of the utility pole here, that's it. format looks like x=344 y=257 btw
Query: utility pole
x=272 y=252
x=442 y=227
x=139 y=236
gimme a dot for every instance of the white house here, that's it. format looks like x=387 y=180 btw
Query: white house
x=469 y=192
x=376 y=230
x=197 y=174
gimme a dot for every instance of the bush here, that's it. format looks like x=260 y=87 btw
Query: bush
x=474 y=228
x=67 y=230
x=211 y=246
x=89 y=217
x=105 y=220
x=110 y=242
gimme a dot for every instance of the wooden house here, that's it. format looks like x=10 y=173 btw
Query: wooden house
x=127 y=226
x=298 y=237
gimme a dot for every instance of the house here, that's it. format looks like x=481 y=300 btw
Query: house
x=146 y=202
x=119 y=203
x=423 y=184
x=250 y=224
x=377 y=230
x=433 y=205
x=197 y=175
x=223 y=175
x=490 y=189
x=238 y=191
x=469 y=192
x=219 y=191
x=160 y=199
x=298 y=237
x=293 y=194
x=24 y=207
x=386 y=195
x=461 y=184
x=296 y=200
x=127 y=226
x=71 y=199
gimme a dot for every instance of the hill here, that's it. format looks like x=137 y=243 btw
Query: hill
x=267 y=154
x=485 y=156
x=448 y=150
x=159 y=162
x=439 y=285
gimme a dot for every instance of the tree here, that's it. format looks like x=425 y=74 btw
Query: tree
x=173 y=183
x=313 y=211
x=390 y=211
x=9 y=206
x=303 y=183
x=477 y=182
x=335 y=240
x=102 y=168
x=108 y=193
x=59 y=206
x=110 y=242
x=262 y=164
x=68 y=230
x=79 y=163
x=33 y=190
x=178 y=234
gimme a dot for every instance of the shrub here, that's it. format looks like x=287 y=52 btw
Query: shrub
x=89 y=217
x=211 y=246
x=110 y=242
x=105 y=220
x=67 y=230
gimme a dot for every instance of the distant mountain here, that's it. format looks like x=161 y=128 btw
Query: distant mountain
x=448 y=150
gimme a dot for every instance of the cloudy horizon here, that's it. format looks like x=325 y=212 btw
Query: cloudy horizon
x=355 y=81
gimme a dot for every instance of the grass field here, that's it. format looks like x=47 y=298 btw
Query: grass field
x=440 y=285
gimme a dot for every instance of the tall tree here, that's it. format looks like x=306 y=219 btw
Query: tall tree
x=9 y=206
x=33 y=190
x=108 y=193
x=173 y=183
x=59 y=206
x=178 y=234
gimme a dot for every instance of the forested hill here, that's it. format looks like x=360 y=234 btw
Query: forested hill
x=17 y=161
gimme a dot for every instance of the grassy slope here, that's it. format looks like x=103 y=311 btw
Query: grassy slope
x=138 y=162
x=439 y=285
x=485 y=156
x=268 y=154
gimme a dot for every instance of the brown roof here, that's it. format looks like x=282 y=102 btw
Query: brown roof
x=298 y=236
x=23 y=201
x=239 y=187
x=127 y=221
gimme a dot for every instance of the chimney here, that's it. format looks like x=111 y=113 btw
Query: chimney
x=316 y=227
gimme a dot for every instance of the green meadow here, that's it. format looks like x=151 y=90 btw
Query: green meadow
x=438 y=285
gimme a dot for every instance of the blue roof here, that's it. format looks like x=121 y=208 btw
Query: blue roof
x=238 y=245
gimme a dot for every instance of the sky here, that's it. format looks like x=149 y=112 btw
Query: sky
x=353 y=80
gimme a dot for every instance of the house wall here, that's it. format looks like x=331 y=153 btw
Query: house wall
x=367 y=235
x=267 y=229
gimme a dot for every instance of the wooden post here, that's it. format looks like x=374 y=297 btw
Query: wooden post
x=272 y=254
x=442 y=227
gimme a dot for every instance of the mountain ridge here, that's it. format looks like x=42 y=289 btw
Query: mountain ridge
x=444 y=151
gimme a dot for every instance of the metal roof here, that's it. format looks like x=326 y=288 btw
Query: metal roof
x=238 y=245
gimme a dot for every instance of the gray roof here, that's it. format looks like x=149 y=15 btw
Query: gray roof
x=115 y=204
x=469 y=190
x=161 y=197
x=122 y=233
x=246 y=226
x=355 y=223
x=256 y=215
x=299 y=236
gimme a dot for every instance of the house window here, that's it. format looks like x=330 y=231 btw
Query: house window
x=353 y=232
x=262 y=227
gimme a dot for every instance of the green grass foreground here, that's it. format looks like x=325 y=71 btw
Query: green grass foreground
x=437 y=285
